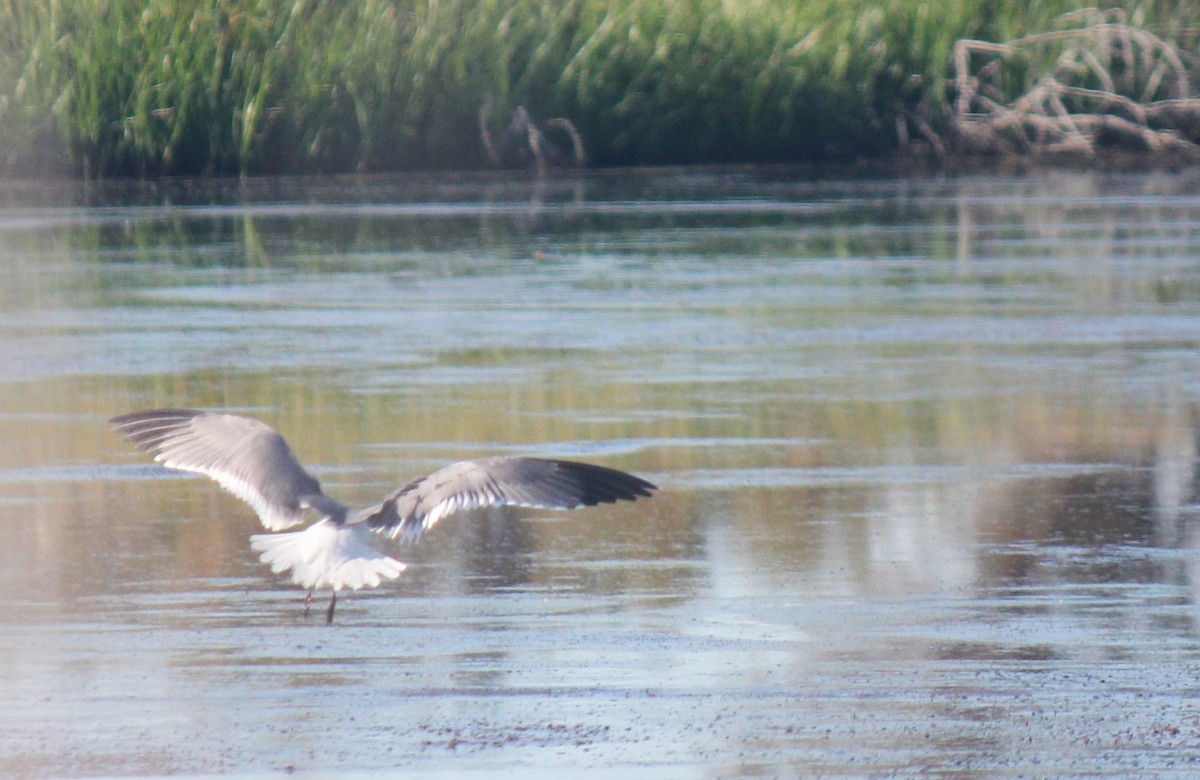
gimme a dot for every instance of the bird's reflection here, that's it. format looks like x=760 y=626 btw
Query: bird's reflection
x=483 y=550
x=496 y=549
x=1173 y=466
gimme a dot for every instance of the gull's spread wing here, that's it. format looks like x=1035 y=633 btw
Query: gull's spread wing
x=472 y=484
x=246 y=457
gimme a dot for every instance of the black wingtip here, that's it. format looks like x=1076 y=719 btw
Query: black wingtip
x=603 y=485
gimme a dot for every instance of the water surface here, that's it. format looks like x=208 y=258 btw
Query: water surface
x=926 y=452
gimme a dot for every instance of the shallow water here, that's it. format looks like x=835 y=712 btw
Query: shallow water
x=926 y=450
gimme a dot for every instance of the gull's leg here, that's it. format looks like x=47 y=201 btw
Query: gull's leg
x=307 y=602
x=332 y=604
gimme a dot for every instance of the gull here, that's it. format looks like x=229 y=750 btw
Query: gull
x=253 y=462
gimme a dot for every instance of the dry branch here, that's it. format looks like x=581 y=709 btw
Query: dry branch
x=1101 y=82
x=522 y=138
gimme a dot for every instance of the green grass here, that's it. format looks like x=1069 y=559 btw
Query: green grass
x=137 y=87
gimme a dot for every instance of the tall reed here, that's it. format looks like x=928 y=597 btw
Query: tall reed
x=148 y=87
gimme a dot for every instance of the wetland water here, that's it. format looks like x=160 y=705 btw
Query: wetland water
x=927 y=456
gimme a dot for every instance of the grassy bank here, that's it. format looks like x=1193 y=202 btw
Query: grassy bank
x=122 y=87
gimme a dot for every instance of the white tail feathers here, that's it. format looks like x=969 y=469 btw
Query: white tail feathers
x=327 y=555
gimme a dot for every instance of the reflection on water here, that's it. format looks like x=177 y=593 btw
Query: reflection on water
x=927 y=453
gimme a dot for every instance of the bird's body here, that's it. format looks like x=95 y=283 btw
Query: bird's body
x=251 y=460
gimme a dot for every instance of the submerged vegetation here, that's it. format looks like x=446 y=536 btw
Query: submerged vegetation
x=130 y=87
